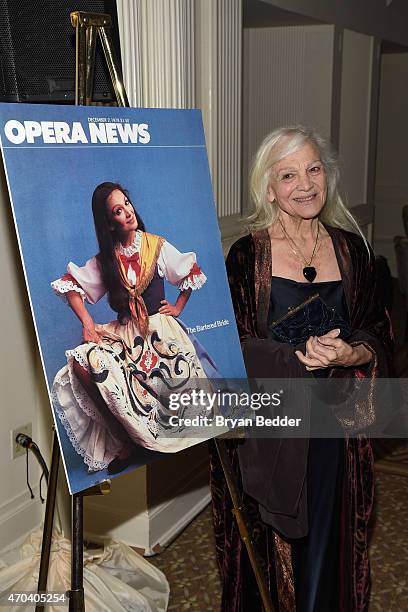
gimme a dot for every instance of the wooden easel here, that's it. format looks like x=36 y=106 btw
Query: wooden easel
x=88 y=26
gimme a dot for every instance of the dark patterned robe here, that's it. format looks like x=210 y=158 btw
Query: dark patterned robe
x=249 y=267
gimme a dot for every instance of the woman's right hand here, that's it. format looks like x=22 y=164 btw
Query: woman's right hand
x=321 y=352
x=89 y=333
x=329 y=351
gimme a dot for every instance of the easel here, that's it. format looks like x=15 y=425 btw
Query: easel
x=88 y=26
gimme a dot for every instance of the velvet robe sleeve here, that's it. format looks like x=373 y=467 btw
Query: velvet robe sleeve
x=282 y=503
x=264 y=357
x=372 y=328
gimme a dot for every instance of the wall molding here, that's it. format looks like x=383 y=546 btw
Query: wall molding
x=110 y=522
x=160 y=536
x=17 y=511
x=184 y=499
x=150 y=530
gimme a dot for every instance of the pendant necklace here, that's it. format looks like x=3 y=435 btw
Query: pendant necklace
x=309 y=271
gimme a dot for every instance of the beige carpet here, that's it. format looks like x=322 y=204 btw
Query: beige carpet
x=389 y=545
x=190 y=566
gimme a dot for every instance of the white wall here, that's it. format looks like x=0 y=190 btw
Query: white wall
x=393 y=124
x=372 y=17
x=392 y=177
x=355 y=115
x=19 y=384
x=287 y=79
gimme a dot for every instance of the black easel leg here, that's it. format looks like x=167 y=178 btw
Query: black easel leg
x=76 y=594
x=243 y=523
x=48 y=520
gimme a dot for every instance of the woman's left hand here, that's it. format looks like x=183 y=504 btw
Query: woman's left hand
x=329 y=351
x=169 y=309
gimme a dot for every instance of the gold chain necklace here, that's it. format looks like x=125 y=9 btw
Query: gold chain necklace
x=309 y=271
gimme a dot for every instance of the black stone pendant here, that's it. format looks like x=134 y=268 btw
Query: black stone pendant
x=309 y=272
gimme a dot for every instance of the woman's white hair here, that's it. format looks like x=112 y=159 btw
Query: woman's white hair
x=277 y=145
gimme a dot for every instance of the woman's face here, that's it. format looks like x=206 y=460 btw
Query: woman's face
x=298 y=183
x=121 y=214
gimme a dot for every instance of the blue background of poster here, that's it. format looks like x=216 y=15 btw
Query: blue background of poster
x=169 y=183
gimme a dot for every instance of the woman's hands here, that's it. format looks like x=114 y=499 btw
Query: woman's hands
x=175 y=310
x=169 y=309
x=89 y=333
x=329 y=351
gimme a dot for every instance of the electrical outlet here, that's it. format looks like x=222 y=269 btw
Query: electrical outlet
x=16 y=449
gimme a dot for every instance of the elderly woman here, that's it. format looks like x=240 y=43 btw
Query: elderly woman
x=309 y=500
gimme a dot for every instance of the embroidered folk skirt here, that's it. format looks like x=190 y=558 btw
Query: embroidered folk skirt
x=120 y=386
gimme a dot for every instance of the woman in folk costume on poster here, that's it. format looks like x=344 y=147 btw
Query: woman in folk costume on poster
x=108 y=394
x=309 y=499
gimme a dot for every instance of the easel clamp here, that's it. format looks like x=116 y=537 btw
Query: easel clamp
x=99 y=20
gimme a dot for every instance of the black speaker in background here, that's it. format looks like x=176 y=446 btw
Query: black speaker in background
x=37 y=50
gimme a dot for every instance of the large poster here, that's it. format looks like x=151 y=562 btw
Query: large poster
x=125 y=272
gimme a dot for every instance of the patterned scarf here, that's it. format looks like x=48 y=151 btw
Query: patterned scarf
x=149 y=253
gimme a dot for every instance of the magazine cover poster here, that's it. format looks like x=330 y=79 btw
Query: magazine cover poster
x=121 y=251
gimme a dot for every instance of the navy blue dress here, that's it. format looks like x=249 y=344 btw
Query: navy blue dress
x=315 y=557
